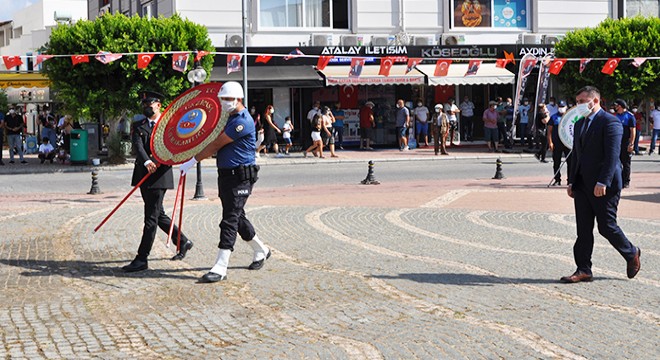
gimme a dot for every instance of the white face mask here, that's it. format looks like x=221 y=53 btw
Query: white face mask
x=229 y=106
x=398 y=106
x=11 y=112
x=438 y=110
x=583 y=109
x=272 y=111
x=419 y=104
x=634 y=110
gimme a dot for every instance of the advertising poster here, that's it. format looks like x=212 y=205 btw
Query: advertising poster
x=510 y=13
x=472 y=13
x=490 y=13
x=351 y=125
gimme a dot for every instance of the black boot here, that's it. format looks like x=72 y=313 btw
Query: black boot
x=136 y=265
x=184 y=249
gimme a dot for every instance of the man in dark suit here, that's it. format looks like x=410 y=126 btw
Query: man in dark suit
x=594 y=182
x=154 y=188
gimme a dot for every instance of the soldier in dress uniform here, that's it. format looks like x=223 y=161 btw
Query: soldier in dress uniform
x=154 y=188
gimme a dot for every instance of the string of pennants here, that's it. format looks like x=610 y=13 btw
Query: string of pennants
x=180 y=61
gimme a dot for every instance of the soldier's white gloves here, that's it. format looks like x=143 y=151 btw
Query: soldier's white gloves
x=187 y=165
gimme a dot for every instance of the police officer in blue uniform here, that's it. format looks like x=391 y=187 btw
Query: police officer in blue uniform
x=235 y=152
x=154 y=188
x=628 y=139
x=554 y=143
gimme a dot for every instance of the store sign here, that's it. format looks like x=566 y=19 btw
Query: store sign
x=536 y=51
x=389 y=80
x=23 y=95
x=460 y=52
x=365 y=50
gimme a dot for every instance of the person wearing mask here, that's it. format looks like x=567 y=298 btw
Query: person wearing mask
x=542 y=119
x=467 y=117
x=639 y=122
x=234 y=149
x=552 y=106
x=15 y=125
x=440 y=126
x=338 y=125
x=523 y=112
x=287 y=128
x=490 y=126
x=402 y=120
x=554 y=143
x=452 y=116
x=154 y=188
x=594 y=184
x=421 y=113
x=628 y=139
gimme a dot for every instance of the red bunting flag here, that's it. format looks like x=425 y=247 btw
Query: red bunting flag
x=263 y=59
x=556 y=66
x=508 y=58
x=180 y=61
x=356 y=67
x=442 y=67
x=78 y=59
x=42 y=58
x=144 y=60
x=323 y=62
x=473 y=67
x=107 y=57
x=500 y=63
x=200 y=55
x=412 y=62
x=637 y=62
x=385 y=66
x=610 y=66
x=583 y=64
x=234 y=63
x=294 y=54
x=12 y=61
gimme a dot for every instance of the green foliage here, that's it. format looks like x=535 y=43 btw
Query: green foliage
x=94 y=89
x=4 y=106
x=624 y=38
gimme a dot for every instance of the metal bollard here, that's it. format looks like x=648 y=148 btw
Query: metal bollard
x=370 y=179
x=95 y=183
x=498 y=169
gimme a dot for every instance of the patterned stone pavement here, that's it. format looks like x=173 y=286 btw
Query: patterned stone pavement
x=463 y=269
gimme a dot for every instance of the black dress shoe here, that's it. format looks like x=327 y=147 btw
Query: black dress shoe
x=256 y=265
x=577 y=276
x=634 y=265
x=136 y=265
x=211 y=277
x=184 y=249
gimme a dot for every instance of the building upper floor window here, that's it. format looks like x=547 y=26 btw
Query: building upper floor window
x=332 y=14
x=148 y=9
x=498 y=14
x=641 y=7
x=103 y=3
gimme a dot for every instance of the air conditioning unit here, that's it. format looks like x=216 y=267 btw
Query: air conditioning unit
x=349 y=40
x=423 y=40
x=452 y=39
x=382 y=40
x=234 y=40
x=552 y=39
x=527 y=38
x=321 y=40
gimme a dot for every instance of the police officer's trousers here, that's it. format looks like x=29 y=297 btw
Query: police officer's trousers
x=234 y=192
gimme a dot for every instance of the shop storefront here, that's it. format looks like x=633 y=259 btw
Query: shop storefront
x=28 y=91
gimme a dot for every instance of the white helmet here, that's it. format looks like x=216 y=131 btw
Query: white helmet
x=231 y=89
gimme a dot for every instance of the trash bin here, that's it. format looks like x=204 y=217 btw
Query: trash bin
x=78 y=149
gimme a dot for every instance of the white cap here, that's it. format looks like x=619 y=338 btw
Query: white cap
x=438 y=106
x=231 y=89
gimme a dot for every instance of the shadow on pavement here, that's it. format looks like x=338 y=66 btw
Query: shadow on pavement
x=469 y=279
x=652 y=198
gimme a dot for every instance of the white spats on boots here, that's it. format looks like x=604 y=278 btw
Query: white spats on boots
x=260 y=250
x=221 y=262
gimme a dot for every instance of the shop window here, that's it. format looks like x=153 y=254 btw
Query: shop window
x=498 y=14
x=304 y=14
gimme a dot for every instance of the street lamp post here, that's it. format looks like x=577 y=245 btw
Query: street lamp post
x=196 y=76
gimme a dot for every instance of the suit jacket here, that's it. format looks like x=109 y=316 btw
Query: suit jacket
x=162 y=178
x=595 y=158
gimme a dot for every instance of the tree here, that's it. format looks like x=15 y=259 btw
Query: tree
x=95 y=90
x=623 y=38
x=3 y=101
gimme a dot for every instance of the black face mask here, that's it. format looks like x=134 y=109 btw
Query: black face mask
x=148 y=112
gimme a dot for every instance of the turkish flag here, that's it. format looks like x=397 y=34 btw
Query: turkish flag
x=441 y=67
x=107 y=57
x=233 y=63
x=356 y=67
x=264 y=59
x=12 y=61
x=473 y=67
x=583 y=64
x=348 y=97
x=323 y=62
x=42 y=58
x=610 y=66
x=412 y=63
x=385 y=66
x=637 y=62
x=201 y=54
x=77 y=59
x=144 y=60
x=556 y=66
x=500 y=63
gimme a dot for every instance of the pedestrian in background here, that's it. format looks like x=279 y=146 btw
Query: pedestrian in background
x=655 y=121
x=523 y=113
x=366 y=124
x=467 y=118
x=317 y=140
x=15 y=125
x=639 y=121
x=2 y=134
x=154 y=187
x=287 y=128
x=490 y=126
x=627 y=139
x=542 y=119
x=338 y=125
x=421 y=113
x=234 y=149
x=46 y=151
x=440 y=126
x=594 y=183
x=327 y=132
x=402 y=121
x=452 y=117
x=555 y=144
x=270 y=132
